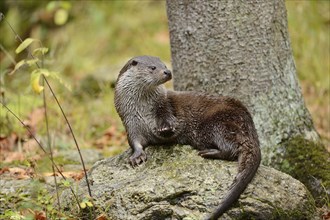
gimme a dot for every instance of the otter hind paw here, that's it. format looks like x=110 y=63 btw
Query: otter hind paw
x=211 y=154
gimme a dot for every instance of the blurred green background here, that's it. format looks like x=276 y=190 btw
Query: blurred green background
x=89 y=42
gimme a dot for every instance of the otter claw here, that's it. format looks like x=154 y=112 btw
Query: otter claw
x=137 y=158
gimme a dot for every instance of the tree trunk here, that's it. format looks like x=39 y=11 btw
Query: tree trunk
x=242 y=49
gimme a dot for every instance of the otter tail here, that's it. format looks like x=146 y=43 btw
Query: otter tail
x=248 y=162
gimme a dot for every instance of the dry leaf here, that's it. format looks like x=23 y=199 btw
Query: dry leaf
x=19 y=173
x=4 y=170
x=39 y=215
x=12 y=156
x=326 y=216
x=77 y=176
x=112 y=136
x=101 y=217
x=74 y=175
x=7 y=143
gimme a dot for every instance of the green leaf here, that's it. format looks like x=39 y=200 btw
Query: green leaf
x=13 y=215
x=17 y=66
x=44 y=72
x=22 y=63
x=51 y=6
x=32 y=62
x=24 y=45
x=83 y=205
x=61 y=16
x=49 y=208
x=41 y=50
x=66 y=183
x=35 y=81
x=55 y=75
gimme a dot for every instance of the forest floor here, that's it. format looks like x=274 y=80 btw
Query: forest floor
x=89 y=49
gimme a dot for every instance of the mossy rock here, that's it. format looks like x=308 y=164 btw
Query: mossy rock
x=176 y=183
x=308 y=162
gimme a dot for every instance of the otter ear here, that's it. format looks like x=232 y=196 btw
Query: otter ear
x=127 y=65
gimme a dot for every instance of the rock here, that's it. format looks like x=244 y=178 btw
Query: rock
x=14 y=193
x=176 y=183
x=12 y=186
x=90 y=156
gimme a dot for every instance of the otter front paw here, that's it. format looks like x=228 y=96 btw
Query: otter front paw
x=166 y=130
x=137 y=158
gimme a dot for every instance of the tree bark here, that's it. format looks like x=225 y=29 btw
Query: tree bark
x=242 y=49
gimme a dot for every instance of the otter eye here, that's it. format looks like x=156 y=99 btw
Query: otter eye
x=152 y=67
x=134 y=62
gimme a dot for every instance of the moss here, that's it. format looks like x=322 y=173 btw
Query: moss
x=309 y=211
x=288 y=214
x=308 y=162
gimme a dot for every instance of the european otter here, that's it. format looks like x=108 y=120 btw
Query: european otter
x=219 y=127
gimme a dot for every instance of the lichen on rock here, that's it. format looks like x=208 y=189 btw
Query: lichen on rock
x=176 y=183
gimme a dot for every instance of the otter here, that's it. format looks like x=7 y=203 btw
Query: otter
x=219 y=127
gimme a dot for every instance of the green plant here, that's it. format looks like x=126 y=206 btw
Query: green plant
x=38 y=75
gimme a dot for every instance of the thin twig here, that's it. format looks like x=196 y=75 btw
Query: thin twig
x=49 y=142
x=73 y=136
x=2 y=17
x=50 y=145
x=8 y=54
x=42 y=148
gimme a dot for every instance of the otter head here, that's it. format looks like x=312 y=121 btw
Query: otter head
x=146 y=71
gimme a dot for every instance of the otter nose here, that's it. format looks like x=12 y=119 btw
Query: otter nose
x=168 y=73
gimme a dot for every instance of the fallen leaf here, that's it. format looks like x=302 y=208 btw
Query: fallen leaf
x=102 y=142
x=101 y=217
x=77 y=176
x=12 y=156
x=4 y=170
x=326 y=216
x=112 y=136
x=8 y=143
x=106 y=137
x=39 y=215
x=50 y=174
x=68 y=174
x=19 y=173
